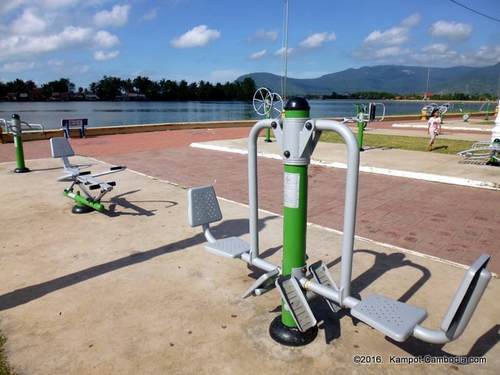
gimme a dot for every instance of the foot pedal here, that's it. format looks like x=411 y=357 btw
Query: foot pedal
x=231 y=247
x=296 y=302
x=322 y=276
x=263 y=284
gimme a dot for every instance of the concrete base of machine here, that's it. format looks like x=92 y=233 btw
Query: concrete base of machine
x=77 y=209
x=22 y=170
x=291 y=336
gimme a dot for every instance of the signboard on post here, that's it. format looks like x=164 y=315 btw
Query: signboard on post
x=79 y=123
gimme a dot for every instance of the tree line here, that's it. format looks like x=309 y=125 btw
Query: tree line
x=138 y=88
x=387 y=95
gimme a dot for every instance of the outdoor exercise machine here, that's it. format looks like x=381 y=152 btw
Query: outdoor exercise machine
x=14 y=126
x=268 y=104
x=366 y=113
x=85 y=181
x=297 y=135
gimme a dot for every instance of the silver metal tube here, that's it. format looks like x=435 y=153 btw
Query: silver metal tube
x=328 y=293
x=208 y=235
x=258 y=262
x=351 y=196
x=433 y=336
x=253 y=202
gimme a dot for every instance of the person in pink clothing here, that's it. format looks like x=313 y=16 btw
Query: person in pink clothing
x=433 y=127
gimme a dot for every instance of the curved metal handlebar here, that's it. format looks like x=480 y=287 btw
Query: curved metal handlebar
x=253 y=203
x=351 y=197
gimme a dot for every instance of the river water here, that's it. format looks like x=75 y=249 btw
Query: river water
x=50 y=114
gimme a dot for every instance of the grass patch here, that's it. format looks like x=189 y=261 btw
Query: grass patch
x=4 y=367
x=486 y=122
x=442 y=146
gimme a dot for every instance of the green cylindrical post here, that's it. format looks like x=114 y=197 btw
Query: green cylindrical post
x=294 y=228
x=361 y=126
x=18 y=144
x=268 y=135
x=294 y=214
x=297 y=145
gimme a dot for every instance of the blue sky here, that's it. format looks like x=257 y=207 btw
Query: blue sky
x=218 y=40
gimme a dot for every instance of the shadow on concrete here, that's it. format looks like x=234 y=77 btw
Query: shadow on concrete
x=59 y=167
x=120 y=201
x=482 y=346
x=382 y=264
x=27 y=294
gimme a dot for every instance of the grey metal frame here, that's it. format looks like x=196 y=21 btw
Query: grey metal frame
x=405 y=319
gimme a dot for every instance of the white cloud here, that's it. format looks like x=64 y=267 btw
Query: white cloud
x=105 y=39
x=392 y=51
x=435 y=48
x=258 y=55
x=393 y=36
x=103 y=55
x=198 y=36
x=411 y=21
x=316 y=40
x=16 y=66
x=21 y=45
x=265 y=35
x=281 y=51
x=117 y=16
x=451 y=30
x=9 y=5
x=150 y=15
x=28 y=23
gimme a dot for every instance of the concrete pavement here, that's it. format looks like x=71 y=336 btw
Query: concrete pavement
x=134 y=292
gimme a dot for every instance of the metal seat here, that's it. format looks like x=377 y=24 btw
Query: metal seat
x=204 y=209
x=393 y=318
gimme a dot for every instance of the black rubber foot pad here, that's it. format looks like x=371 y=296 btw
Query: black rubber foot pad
x=291 y=336
x=81 y=209
x=21 y=170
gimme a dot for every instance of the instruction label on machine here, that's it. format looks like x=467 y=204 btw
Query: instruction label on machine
x=291 y=190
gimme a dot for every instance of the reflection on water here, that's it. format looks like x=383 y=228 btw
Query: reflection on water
x=122 y=113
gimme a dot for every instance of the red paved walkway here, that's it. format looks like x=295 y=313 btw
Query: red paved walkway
x=452 y=222
x=125 y=143
x=455 y=223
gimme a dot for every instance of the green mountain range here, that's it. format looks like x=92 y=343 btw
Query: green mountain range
x=398 y=79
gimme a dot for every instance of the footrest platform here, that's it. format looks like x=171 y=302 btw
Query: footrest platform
x=296 y=301
x=231 y=247
x=393 y=318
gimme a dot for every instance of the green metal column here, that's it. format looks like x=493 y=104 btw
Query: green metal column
x=361 y=126
x=18 y=144
x=294 y=217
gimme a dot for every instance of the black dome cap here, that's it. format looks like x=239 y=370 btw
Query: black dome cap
x=297 y=104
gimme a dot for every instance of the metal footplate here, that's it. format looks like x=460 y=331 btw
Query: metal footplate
x=322 y=276
x=231 y=247
x=263 y=284
x=393 y=318
x=296 y=302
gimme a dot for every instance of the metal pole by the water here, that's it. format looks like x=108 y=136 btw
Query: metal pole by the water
x=361 y=126
x=18 y=144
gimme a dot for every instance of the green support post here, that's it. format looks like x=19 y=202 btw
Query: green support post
x=284 y=328
x=268 y=136
x=361 y=126
x=294 y=229
x=18 y=144
x=268 y=131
